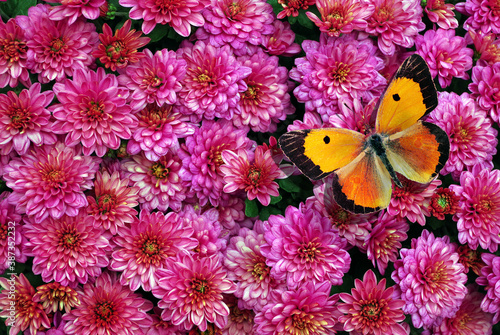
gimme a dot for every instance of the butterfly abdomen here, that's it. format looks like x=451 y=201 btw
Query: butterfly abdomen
x=376 y=143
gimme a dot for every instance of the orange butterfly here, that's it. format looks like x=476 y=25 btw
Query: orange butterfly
x=363 y=165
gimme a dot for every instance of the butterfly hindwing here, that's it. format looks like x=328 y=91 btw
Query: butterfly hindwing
x=318 y=152
x=410 y=95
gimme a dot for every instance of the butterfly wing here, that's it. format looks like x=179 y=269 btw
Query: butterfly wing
x=318 y=152
x=418 y=152
x=410 y=95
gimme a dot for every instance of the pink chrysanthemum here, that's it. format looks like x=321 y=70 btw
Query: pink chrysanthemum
x=473 y=140
x=485 y=88
x=73 y=9
x=240 y=321
x=17 y=295
x=112 y=205
x=247 y=268
x=302 y=248
x=13 y=55
x=441 y=13
x=107 y=307
x=154 y=79
x=162 y=327
x=447 y=55
x=430 y=279
x=57 y=48
x=334 y=70
x=371 y=309
x=341 y=16
x=470 y=259
x=487 y=47
x=213 y=81
x=160 y=185
x=236 y=23
x=159 y=130
x=54 y=297
x=24 y=119
x=69 y=250
x=93 y=111
x=50 y=180
x=281 y=41
x=266 y=100
x=478 y=216
x=146 y=246
x=292 y=7
x=201 y=157
x=179 y=15
x=12 y=238
x=484 y=15
x=395 y=22
x=308 y=309
x=231 y=212
x=489 y=278
x=191 y=291
x=384 y=241
x=254 y=176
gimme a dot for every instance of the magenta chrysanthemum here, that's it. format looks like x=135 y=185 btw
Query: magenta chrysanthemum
x=490 y=279
x=13 y=55
x=446 y=54
x=146 y=246
x=308 y=309
x=213 y=81
x=180 y=15
x=395 y=23
x=107 y=307
x=430 y=279
x=240 y=321
x=478 y=215
x=484 y=15
x=191 y=291
x=201 y=157
x=473 y=140
x=72 y=9
x=50 y=180
x=485 y=88
x=282 y=41
x=24 y=119
x=57 y=48
x=441 y=13
x=93 y=111
x=371 y=309
x=69 y=250
x=247 y=268
x=12 y=238
x=154 y=79
x=301 y=248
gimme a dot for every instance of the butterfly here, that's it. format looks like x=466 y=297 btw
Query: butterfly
x=363 y=166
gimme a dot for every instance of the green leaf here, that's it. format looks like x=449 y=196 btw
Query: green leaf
x=12 y=8
x=304 y=21
x=288 y=185
x=251 y=208
x=159 y=32
x=275 y=200
x=268 y=211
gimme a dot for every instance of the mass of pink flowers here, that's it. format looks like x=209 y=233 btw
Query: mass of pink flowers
x=143 y=190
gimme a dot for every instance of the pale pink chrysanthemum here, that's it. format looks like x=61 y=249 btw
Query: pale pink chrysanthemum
x=24 y=119
x=57 y=48
x=146 y=245
x=236 y=23
x=240 y=321
x=489 y=278
x=180 y=15
x=231 y=212
x=302 y=247
x=447 y=55
x=69 y=250
x=384 y=241
x=487 y=47
x=50 y=180
x=473 y=139
x=282 y=41
x=395 y=22
x=201 y=157
x=17 y=296
x=430 y=279
x=159 y=130
x=307 y=309
x=248 y=269
x=191 y=291
x=160 y=184
x=113 y=202
x=483 y=15
x=485 y=88
x=93 y=111
x=255 y=176
x=335 y=70
x=478 y=215
x=73 y=9
x=265 y=101
x=341 y=16
x=107 y=307
x=13 y=55
x=12 y=238
x=371 y=308
x=154 y=79
x=441 y=13
x=213 y=81
x=412 y=200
